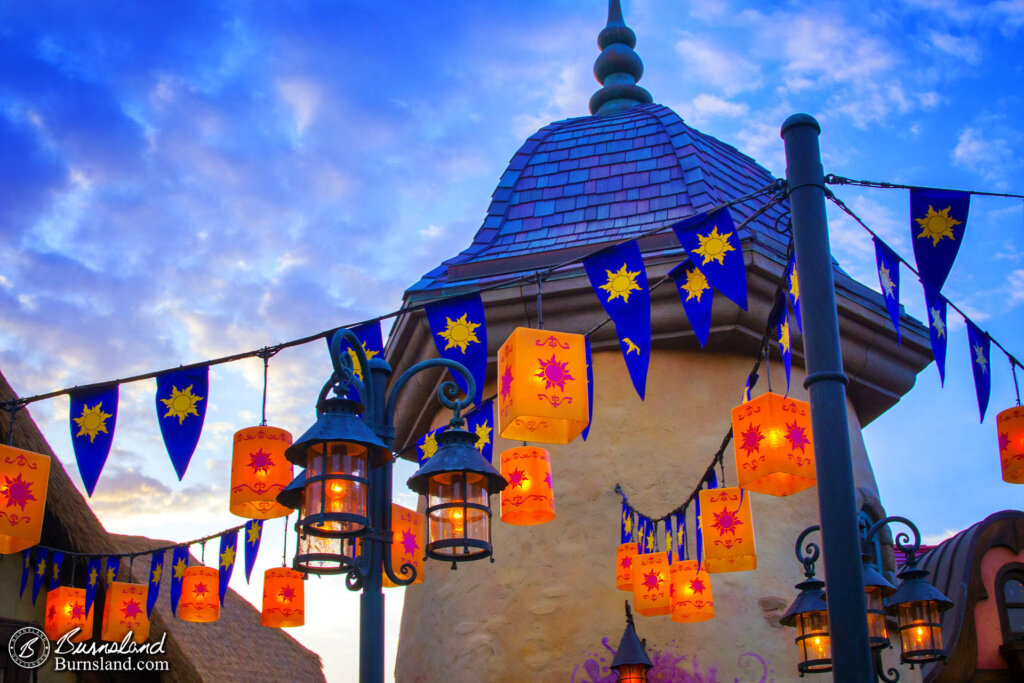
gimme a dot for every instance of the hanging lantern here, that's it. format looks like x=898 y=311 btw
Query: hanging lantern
x=125 y=610
x=917 y=605
x=1010 y=426
x=774 y=446
x=316 y=554
x=259 y=471
x=24 y=476
x=809 y=614
x=200 y=601
x=651 y=584
x=337 y=452
x=542 y=386
x=876 y=589
x=283 y=598
x=529 y=498
x=65 y=611
x=625 y=556
x=631 y=662
x=690 y=592
x=458 y=482
x=728 y=530
x=406 y=544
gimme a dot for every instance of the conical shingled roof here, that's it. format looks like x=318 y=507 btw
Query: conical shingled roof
x=586 y=181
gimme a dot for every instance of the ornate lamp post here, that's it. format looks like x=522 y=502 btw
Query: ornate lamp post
x=631 y=662
x=344 y=493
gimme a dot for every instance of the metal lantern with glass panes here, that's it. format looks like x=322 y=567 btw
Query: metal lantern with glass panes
x=809 y=613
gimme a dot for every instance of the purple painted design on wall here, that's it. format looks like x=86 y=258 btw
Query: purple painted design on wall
x=667 y=668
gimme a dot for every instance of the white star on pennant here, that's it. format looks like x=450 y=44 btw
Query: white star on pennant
x=887 y=284
x=940 y=327
x=979 y=358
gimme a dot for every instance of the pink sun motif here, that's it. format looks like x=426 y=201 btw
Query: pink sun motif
x=287 y=594
x=260 y=461
x=18 y=492
x=1004 y=441
x=77 y=611
x=52 y=614
x=409 y=544
x=554 y=373
x=697 y=586
x=517 y=478
x=547 y=479
x=130 y=609
x=506 y=383
x=726 y=521
x=200 y=590
x=797 y=437
x=652 y=581
x=627 y=562
x=752 y=439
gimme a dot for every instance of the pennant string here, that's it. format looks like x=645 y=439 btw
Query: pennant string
x=151 y=551
x=833 y=179
x=1013 y=371
x=13 y=410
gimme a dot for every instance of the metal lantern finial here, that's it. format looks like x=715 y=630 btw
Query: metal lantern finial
x=631 y=661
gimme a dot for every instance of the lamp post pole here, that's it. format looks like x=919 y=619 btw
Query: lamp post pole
x=826 y=384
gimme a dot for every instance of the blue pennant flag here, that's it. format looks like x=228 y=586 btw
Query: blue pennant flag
x=680 y=535
x=39 y=577
x=938 y=219
x=228 y=548
x=56 y=560
x=888 y=264
x=181 y=400
x=699 y=541
x=670 y=540
x=179 y=563
x=480 y=421
x=426 y=445
x=460 y=334
x=373 y=345
x=711 y=240
x=156 y=573
x=697 y=298
x=793 y=291
x=110 y=567
x=92 y=417
x=590 y=389
x=253 y=536
x=748 y=386
x=783 y=336
x=626 y=524
x=646 y=541
x=619 y=279
x=92 y=582
x=26 y=569
x=713 y=480
x=980 y=345
x=937 y=329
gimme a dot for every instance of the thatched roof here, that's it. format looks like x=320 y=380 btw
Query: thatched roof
x=237 y=647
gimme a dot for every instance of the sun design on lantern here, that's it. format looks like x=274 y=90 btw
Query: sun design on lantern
x=752 y=439
x=200 y=590
x=554 y=373
x=286 y=594
x=355 y=359
x=620 y=284
x=92 y=421
x=181 y=404
x=627 y=562
x=697 y=587
x=1004 y=441
x=517 y=478
x=653 y=580
x=797 y=437
x=409 y=544
x=429 y=446
x=18 y=491
x=506 y=383
x=459 y=333
x=76 y=611
x=726 y=521
x=52 y=614
x=937 y=224
x=483 y=433
x=130 y=609
x=714 y=247
x=260 y=462
x=696 y=284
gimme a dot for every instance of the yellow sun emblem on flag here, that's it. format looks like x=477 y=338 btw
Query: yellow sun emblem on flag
x=620 y=284
x=355 y=359
x=227 y=558
x=429 y=446
x=696 y=284
x=483 y=433
x=92 y=421
x=181 y=404
x=179 y=569
x=784 y=336
x=937 y=224
x=794 y=285
x=158 y=572
x=254 y=534
x=714 y=247
x=627 y=522
x=460 y=333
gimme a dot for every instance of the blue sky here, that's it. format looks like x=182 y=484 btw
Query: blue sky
x=192 y=180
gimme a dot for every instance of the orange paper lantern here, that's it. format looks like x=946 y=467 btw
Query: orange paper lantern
x=692 y=600
x=199 y=601
x=528 y=499
x=651 y=584
x=65 y=611
x=542 y=386
x=728 y=530
x=259 y=471
x=625 y=556
x=24 y=476
x=125 y=610
x=774 y=446
x=406 y=543
x=284 y=601
x=1010 y=425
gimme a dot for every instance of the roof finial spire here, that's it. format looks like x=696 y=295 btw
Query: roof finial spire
x=618 y=67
